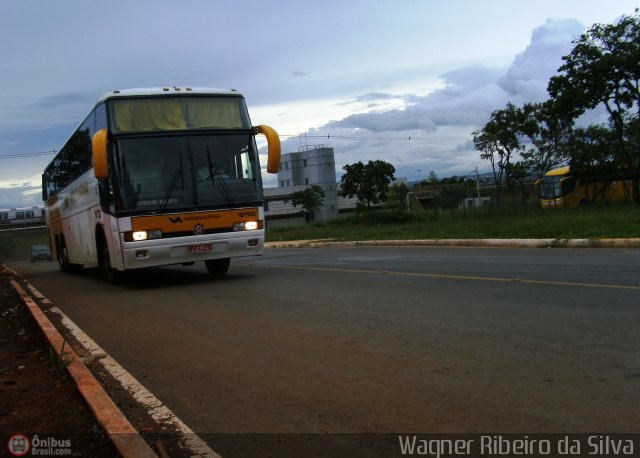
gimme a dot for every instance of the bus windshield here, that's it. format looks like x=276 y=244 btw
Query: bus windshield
x=178 y=113
x=554 y=187
x=185 y=172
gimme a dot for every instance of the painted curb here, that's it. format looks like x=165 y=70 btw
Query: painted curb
x=123 y=435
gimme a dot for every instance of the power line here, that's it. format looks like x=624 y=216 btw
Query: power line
x=372 y=138
x=27 y=154
x=15 y=155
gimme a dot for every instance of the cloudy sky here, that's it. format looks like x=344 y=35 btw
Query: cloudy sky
x=404 y=81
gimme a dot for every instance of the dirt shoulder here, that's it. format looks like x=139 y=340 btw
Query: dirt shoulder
x=38 y=399
x=45 y=406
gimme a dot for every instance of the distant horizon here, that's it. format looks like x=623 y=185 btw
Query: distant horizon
x=482 y=175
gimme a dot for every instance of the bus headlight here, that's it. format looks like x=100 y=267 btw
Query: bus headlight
x=138 y=236
x=246 y=226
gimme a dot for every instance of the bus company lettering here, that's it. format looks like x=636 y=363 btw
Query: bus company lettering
x=246 y=214
x=81 y=190
x=178 y=219
x=76 y=194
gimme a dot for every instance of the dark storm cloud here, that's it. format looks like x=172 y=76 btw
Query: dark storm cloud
x=410 y=118
x=375 y=97
x=66 y=99
x=40 y=139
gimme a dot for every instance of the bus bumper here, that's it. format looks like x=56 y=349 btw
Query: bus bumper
x=161 y=252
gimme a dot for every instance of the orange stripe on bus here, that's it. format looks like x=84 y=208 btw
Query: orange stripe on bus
x=181 y=222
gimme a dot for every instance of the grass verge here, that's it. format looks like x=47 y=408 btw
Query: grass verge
x=569 y=223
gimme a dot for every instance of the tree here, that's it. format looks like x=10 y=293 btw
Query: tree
x=593 y=155
x=602 y=69
x=369 y=183
x=310 y=199
x=519 y=173
x=592 y=151
x=453 y=179
x=397 y=198
x=498 y=142
x=549 y=130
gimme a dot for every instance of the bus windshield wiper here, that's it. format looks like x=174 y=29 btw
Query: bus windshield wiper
x=174 y=180
x=215 y=171
x=172 y=186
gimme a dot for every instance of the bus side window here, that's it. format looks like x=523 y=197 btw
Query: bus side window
x=101 y=117
x=568 y=185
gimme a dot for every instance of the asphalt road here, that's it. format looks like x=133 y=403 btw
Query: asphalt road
x=378 y=339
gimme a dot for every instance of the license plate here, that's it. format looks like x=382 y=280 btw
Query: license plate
x=205 y=248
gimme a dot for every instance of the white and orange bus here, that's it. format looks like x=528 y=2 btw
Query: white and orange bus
x=155 y=177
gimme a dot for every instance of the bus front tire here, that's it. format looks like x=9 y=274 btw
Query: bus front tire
x=218 y=267
x=114 y=276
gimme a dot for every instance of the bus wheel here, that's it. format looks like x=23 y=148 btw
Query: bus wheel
x=63 y=261
x=218 y=266
x=114 y=276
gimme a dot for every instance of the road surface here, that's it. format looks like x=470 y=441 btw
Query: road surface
x=377 y=339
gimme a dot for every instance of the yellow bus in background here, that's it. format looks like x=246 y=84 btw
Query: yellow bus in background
x=159 y=176
x=560 y=188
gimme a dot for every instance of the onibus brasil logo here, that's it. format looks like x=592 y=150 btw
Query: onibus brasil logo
x=20 y=445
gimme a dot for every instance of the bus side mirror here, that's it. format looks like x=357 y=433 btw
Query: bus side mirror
x=99 y=148
x=273 y=147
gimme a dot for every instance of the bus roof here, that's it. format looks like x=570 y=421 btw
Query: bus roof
x=173 y=90
x=559 y=171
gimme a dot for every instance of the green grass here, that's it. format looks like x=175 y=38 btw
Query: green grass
x=590 y=223
x=16 y=245
x=585 y=222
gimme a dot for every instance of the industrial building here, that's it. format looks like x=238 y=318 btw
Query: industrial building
x=309 y=166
